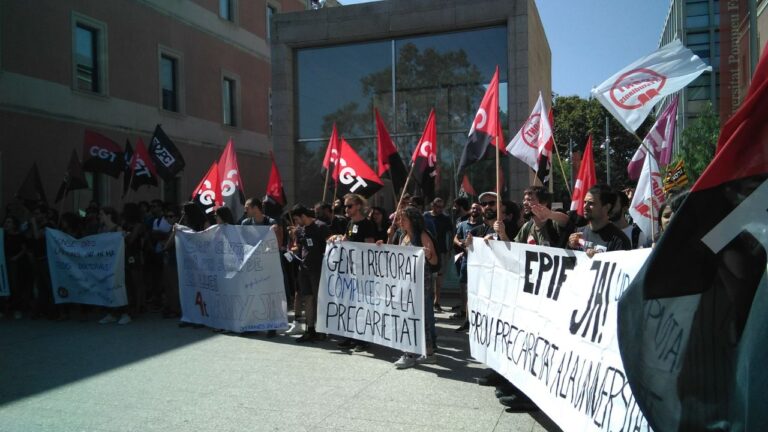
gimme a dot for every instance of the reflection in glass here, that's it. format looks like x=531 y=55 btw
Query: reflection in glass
x=344 y=83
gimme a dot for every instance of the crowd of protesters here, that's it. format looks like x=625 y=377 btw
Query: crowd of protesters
x=446 y=237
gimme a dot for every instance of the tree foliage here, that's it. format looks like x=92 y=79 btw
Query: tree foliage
x=698 y=142
x=574 y=119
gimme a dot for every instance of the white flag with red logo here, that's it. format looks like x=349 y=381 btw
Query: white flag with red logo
x=647 y=198
x=632 y=92
x=530 y=143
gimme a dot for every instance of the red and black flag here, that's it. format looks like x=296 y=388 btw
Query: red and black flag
x=353 y=174
x=692 y=324
x=466 y=187
x=484 y=128
x=333 y=149
x=207 y=194
x=141 y=170
x=390 y=163
x=127 y=157
x=424 y=158
x=165 y=156
x=31 y=191
x=74 y=178
x=232 y=194
x=275 y=184
x=102 y=155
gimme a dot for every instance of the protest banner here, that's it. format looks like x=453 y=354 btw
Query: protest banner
x=374 y=294
x=230 y=278
x=5 y=289
x=90 y=270
x=545 y=319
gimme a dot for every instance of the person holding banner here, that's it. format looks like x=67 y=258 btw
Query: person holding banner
x=359 y=229
x=544 y=227
x=311 y=235
x=414 y=233
x=599 y=235
x=463 y=229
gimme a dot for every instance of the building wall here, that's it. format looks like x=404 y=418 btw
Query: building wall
x=43 y=113
x=528 y=56
x=762 y=25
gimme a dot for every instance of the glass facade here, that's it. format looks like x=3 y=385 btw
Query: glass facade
x=403 y=79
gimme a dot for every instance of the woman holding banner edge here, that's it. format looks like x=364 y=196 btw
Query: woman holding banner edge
x=412 y=232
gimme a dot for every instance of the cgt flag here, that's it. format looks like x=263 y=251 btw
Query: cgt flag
x=353 y=174
x=390 y=162
x=207 y=194
x=659 y=140
x=102 y=155
x=141 y=169
x=585 y=180
x=232 y=194
x=484 y=128
x=424 y=157
x=333 y=149
x=74 y=178
x=166 y=157
x=691 y=326
x=632 y=92
x=275 y=188
x=530 y=143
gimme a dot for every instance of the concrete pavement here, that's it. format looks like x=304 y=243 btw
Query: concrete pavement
x=151 y=375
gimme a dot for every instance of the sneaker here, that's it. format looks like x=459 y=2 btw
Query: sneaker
x=361 y=346
x=406 y=361
x=125 y=319
x=491 y=379
x=108 y=319
x=306 y=337
x=295 y=328
x=427 y=359
x=462 y=328
x=438 y=308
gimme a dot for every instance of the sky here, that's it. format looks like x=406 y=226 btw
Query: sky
x=591 y=40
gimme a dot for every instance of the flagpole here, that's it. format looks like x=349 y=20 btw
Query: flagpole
x=498 y=186
x=560 y=161
x=61 y=206
x=325 y=187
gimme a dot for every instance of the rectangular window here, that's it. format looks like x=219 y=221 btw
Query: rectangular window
x=271 y=11
x=228 y=99
x=226 y=10
x=86 y=58
x=169 y=83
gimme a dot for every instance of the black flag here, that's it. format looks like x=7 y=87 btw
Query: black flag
x=167 y=159
x=31 y=191
x=73 y=179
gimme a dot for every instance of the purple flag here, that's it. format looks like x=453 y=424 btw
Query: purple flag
x=659 y=140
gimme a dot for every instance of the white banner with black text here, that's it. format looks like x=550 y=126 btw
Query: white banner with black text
x=546 y=320
x=230 y=278
x=90 y=270
x=374 y=294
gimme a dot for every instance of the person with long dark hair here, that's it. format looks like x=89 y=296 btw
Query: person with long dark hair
x=378 y=216
x=414 y=233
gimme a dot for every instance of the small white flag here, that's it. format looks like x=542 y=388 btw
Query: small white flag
x=632 y=92
x=531 y=140
x=647 y=198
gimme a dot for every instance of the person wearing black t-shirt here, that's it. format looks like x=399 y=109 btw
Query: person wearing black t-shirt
x=359 y=229
x=599 y=235
x=311 y=234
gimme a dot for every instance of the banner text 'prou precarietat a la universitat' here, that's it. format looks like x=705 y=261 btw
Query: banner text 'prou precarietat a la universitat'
x=373 y=293
x=545 y=319
x=230 y=278
x=90 y=270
